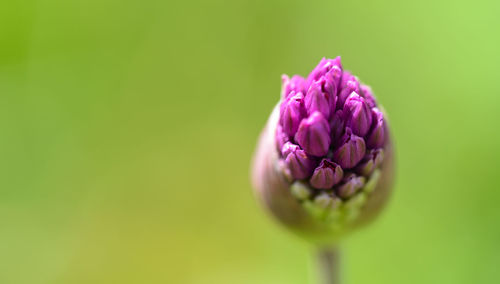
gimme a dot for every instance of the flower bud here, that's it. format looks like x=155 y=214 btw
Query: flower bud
x=348 y=84
x=298 y=162
x=292 y=112
x=317 y=100
x=372 y=160
x=314 y=135
x=295 y=84
x=367 y=94
x=288 y=148
x=323 y=68
x=326 y=175
x=376 y=138
x=358 y=114
x=333 y=76
x=324 y=162
x=329 y=87
x=350 y=151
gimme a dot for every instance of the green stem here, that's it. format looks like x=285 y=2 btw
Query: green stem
x=328 y=265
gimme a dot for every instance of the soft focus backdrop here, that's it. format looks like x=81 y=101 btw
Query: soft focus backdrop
x=127 y=129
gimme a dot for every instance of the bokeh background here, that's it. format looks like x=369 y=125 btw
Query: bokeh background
x=127 y=129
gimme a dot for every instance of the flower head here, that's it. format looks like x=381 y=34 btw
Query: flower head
x=324 y=161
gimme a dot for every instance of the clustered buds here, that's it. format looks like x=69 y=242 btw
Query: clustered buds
x=331 y=143
x=333 y=136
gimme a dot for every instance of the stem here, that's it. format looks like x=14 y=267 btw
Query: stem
x=328 y=265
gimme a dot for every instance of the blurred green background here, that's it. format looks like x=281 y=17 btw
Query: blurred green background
x=127 y=129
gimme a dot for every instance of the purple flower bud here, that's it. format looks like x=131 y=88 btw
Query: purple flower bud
x=324 y=66
x=296 y=84
x=326 y=175
x=288 y=148
x=334 y=75
x=367 y=94
x=314 y=135
x=350 y=150
x=330 y=88
x=346 y=76
x=372 y=160
x=292 y=112
x=376 y=138
x=348 y=84
x=299 y=163
x=350 y=185
x=317 y=72
x=358 y=114
x=329 y=117
x=317 y=100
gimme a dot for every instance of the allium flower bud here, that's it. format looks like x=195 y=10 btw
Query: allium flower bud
x=298 y=162
x=314 y=134
x=372 y=160
x=358 y=114
x=326 y=175
x=367 y=94
x=331 y=68
x=350 y=150
x=324 y=163
x=296 y=84
x=292 y=112
x=317 y=100
x=376 y=138
x=348 y=84
x=350 y=185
